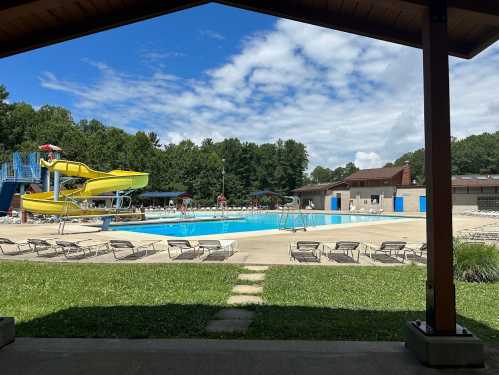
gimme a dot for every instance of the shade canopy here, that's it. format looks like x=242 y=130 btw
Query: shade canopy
x=264 y=193
x=30 y=24
x=49 y=147
x=164 y=195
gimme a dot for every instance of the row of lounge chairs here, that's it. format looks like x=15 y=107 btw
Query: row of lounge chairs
x=314 y=250
x=486 y=233
x=121 y=249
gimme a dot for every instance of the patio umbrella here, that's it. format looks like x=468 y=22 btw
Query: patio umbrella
x=48 y=147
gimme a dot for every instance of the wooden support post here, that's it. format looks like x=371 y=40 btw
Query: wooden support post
x=440 y=291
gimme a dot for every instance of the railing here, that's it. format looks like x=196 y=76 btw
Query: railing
x=20 y=170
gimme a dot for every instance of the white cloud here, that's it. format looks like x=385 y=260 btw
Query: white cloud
x=211 y=34
x=155 y=56
x=365 y=160
x=346 y=97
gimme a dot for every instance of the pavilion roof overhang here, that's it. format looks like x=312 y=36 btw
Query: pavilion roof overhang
x=30 y=24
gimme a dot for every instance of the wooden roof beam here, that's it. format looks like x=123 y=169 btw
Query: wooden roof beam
x=142 y=10
x=340 y=22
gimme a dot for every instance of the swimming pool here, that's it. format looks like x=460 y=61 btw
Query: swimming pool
x=250 y=223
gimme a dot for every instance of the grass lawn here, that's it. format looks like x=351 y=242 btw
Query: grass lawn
x=117 y=300
x=362 y=303
x=177 y=300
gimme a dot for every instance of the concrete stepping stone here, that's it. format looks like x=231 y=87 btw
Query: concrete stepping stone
x=251 y=276
x=256 y=268
x=247 y=289
x=233 y=314
x=228 y=326
x=245 y=300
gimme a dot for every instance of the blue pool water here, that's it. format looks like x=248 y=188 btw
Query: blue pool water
x=249 y=223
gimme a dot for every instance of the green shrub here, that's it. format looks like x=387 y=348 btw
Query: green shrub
x=476 y=262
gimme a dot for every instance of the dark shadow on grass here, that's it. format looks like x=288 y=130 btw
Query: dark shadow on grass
x=171 y=320
x=270 y=322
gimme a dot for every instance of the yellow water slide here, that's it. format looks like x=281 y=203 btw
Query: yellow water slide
x=74 y=202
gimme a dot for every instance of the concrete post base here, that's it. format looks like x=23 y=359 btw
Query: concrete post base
x=460 y=350
x=7 y=331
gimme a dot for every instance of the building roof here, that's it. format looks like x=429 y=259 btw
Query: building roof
x=475 y=181
x=317 y=187
x=374 y=174
x=164 y=194
x=28 y=24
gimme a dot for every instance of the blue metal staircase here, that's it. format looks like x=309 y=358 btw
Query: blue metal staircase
x=26 y=171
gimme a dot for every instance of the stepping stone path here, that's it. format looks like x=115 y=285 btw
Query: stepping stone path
x=237 y=320
x=251 y=276
x=247 y=289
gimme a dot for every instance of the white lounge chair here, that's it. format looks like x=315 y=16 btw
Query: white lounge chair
x=40 y=245
x=417 y=251
x=182 y=246
x=20 y=246
x=72 y=247
x=305 y=250
x=344 y=247
x=218 y=246
x=386 y=247
x=135 y=248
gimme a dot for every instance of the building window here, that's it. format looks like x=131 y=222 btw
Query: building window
x=375 y=198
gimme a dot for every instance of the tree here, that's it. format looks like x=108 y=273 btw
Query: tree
x=321 y=174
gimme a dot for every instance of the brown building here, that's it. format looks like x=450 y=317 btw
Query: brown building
x=377 y=188
x=391 y=189
x=320 y=195
x=475 y=192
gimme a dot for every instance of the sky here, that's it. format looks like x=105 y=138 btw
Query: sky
x=219 y=72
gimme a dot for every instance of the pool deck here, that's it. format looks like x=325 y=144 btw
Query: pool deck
x=254 y=248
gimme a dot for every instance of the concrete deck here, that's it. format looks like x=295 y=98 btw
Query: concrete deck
x=253 y=248
x=29 y=356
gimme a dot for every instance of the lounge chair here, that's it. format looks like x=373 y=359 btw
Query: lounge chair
x=217 y=246
x=182 y=246
x=69 y=247
x=136 y=249
x=345 y=247
x=20 y=246
x=39 y=245
x=422 y=249
x=386 y=247
x=305 y=249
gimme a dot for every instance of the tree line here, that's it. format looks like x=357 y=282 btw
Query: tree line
x=185 y=166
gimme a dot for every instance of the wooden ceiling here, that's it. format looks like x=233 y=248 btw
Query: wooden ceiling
x=30 y=24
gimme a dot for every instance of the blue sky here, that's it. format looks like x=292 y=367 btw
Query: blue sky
x=215 y=71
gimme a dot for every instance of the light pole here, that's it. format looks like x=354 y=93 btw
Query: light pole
x=223 y=185
x=223 y=177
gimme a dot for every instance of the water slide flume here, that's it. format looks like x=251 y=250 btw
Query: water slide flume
x=72 y=202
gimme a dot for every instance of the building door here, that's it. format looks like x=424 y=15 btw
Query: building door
x=398 y=204
x=422 y=203
x=335 y=203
